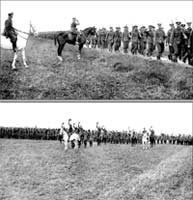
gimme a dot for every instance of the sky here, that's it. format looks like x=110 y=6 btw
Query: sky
x=57 y=15
x=170 y=118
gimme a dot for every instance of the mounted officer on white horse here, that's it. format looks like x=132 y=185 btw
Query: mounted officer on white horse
x=10 y=31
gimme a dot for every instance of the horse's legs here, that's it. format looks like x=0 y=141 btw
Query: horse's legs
x=79 y=51
x=24 y=58
x=66 y=144
x=60 y=48
x=14 y=60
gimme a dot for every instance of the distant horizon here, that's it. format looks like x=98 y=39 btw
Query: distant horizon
x=170 y=118
x=57 y=15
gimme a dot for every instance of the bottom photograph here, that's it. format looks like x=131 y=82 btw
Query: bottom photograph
x=103 y=151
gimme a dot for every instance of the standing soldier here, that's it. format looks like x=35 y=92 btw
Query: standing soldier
x=117 y=39
x=159 y=40
x=98 y=134
x=176 y=40
x=10 y=31
x=134 y=40
x=188 y=52
x=150 y=40
x=168 y=41
x=184 y=43
x=125 y=39
x=190 y=47
x=102 y=38
x=99 y=38
x=93 y=41
x=110 y=39
x=143 y=40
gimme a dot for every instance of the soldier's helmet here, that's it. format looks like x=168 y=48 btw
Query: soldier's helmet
x=189 y=23
x=126 y=27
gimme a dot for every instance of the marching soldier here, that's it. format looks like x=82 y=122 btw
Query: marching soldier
x=159 y=40
x=188 y=50
x=103 y=38
x=110 y=39
x=176 y=40
x=142 y=40
x=10 y=31
x=150 y=40
x=125 y=39
x=134 y=40
x=184 y=43
x=168 y=41
x=117 y=39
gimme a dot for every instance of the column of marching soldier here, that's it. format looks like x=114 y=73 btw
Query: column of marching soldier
x=100 y=135
x=145 y=41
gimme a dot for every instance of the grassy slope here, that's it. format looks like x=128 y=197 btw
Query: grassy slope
x=98 y=75
x=41 y=170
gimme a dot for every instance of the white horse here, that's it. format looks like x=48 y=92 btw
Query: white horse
x=145 y=140
x=65 y=138
x=22 y=39
x=75 y=138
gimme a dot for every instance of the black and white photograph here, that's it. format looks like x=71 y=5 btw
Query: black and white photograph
x=102 y=151
x=96 y=50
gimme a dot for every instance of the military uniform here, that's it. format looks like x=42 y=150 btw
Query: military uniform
x=190 y=46
x=125 y=39
x=168 y=41
x=110 y=39
x=187 y=55
x=10 y=32
x=150 y=41
x=134 y=40
x=117 y=39
x=159 y=41
x=93 y=40
x=74 y=29
x=176 y=40
x=142 y=40
x=103 y=38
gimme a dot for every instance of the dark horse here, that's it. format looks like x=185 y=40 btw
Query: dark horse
x=70 y=38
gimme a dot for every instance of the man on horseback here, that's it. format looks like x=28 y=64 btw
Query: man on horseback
x=10 y=31
x=74 y=29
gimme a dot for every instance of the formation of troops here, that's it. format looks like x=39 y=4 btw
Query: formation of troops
x=99 y=135
x=139 y=40
x=145 y=40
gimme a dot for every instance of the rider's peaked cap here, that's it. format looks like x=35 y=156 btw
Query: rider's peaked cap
x=10 y=14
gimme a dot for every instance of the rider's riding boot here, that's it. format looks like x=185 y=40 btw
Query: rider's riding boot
x=77 y=40
x=14 y=46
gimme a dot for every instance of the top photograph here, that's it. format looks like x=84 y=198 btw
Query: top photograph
x=96 y=50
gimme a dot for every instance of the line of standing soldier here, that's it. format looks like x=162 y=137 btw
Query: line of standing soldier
x=144 y=41
x=100 y=135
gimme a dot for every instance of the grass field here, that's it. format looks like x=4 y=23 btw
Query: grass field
x=42 y=170
x=98 y=75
